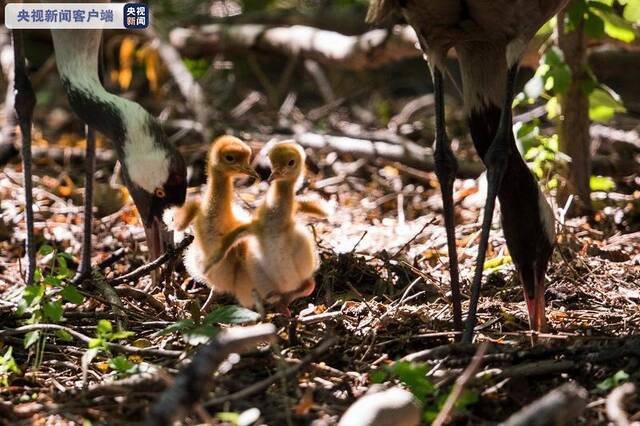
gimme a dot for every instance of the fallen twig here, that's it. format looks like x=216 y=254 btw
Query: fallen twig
x=126 y=291
x=195 y=380
x=561 y=406
x=461 y=382
x=171 y=253
x=263 y=384
x=110 y=260
x=84 y=338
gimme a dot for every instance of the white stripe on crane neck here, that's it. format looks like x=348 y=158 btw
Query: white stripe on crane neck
x=146 y=162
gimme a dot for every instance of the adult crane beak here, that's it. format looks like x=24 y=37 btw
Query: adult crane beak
x=158 y=238
x=151 y=208
x=534 y=288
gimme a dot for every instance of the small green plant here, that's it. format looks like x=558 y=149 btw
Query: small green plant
x=613 y=381
x=197 y=330
x=8 y=365
x=432 y=398
x=601 y=18
x=44 y=298
x=105 y=334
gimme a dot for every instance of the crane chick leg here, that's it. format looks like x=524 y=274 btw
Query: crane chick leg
x=25 y=101
x=446 y=168
x=496 y=163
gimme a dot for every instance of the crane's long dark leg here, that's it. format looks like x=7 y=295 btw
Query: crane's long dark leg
x=90 y=165
x=25 y=101
x=496 y=163
x=446 y=168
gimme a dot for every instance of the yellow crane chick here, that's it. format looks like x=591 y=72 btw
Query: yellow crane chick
x=216 y=215
x=280 y=255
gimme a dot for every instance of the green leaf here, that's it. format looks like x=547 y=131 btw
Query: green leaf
x=52 y=281
x=45 y=249
x=574 y=14
x=632 y=11
x=30 y=338
x=31 y=296
x=553 y=108
x=71 y=294
x=378 y=376
x=231 y=314
x=63 y=269
x=229 y=417
x=181 y=325
x=616 y=26
x=104 y=327
x=603 y=104
x=96 y=343
x=601 y=183
x=414 y=376
x=53 y=310
x=121 y=364
x=8 y=363
x=64 y=336
x=119 y=335
x=613 y=381
x=199 y=335
x=594 y=26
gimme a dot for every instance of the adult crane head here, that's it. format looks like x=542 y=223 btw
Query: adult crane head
x=156 y=177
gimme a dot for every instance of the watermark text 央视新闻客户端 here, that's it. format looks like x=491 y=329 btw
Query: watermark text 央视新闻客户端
x=76 y=15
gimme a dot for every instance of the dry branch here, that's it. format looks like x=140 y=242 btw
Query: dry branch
x=195 y=380
x=458 y=388
x=86 y=339
x=314 y=353
x=413 y=155
x=188 y=86
x=369 y=50
x=171 y=253
x=561 y=406
x=407 y=152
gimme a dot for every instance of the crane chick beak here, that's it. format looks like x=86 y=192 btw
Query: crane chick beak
x=275 y=175
x=249 y=171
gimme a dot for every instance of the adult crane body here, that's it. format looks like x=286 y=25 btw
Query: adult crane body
x=153 y=170
x=489 y=37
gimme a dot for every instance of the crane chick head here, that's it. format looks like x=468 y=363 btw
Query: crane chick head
x=232 y=157
x=287 y=161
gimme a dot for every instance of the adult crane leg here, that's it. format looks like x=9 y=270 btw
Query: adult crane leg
x=446 y=168
x=90 y=165
x=496 y=162
x=25 y=101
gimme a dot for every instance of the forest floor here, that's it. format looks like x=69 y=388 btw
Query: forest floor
x=382 y=294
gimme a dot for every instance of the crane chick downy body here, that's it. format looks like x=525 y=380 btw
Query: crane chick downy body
x=153 y=169
x=281 y=256
x=216 y=215
x=489 y=37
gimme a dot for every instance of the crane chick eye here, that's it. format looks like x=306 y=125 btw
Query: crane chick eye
x=159 y=192
x=230 y=158
x=292 y=163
